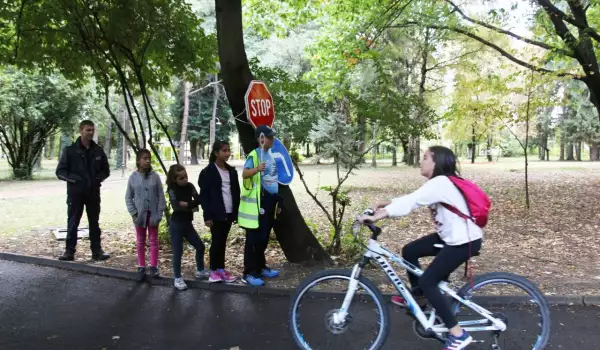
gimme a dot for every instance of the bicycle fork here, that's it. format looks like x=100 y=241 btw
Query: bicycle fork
x=340 y=316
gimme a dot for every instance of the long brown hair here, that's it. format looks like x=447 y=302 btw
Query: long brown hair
x=172 y=174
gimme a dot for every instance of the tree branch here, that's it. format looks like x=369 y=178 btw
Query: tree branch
x=314 y=197
x=454 y=61
x=509 y=33
x=556 y=14
x=495 y=47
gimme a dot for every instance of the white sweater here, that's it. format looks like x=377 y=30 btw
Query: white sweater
x=453 y=229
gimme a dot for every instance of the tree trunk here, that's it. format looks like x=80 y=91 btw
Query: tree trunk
x=594 y=152
x=373 y=145
x=194 y=152
x=184 y=123
x=417 y=151
x=578 y=151
x=404 y=151
x=200 y=147
x=297 y=241
x=51 y=147
x=488 y=148
x=213 y=126
x=562 y=150
x=362 y=135
x=108 y=138
x=394 y=153
x=570 y=151
x=410 y=158
x=474 y=144
x=307 y=150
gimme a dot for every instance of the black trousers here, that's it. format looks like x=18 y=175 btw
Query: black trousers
x=257 y=240
x=219 y=232
x=75 y=205
x=446 y=260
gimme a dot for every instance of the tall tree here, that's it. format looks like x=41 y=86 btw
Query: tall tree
x=296 y=239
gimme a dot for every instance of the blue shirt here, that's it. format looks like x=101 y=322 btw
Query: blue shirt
x=268 y=178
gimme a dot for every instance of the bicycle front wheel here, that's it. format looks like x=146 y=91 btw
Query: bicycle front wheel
x=513 y=299
x=320 y=296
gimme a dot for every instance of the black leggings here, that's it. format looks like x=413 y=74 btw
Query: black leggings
x=445 y=262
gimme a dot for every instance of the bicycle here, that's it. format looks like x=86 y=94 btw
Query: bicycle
x=426 y=325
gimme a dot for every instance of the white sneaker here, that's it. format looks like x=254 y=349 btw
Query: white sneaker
x=204 y=274
x=179 y=284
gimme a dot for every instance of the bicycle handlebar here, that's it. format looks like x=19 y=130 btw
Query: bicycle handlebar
x=376 y=231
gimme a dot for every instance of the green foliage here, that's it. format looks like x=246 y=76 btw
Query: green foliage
x=164 y=237
x=131 y=46
x=297 y=103
x=32 y=108
x=200 y=112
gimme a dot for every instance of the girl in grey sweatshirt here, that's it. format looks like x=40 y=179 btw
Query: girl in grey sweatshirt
x=145 y=199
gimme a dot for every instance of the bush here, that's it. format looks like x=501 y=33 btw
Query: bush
x=164 y=238
x=296 y=157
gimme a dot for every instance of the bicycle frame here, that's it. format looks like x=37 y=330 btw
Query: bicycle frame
x=376 y=252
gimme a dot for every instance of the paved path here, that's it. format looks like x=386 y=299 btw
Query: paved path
x=46 y=308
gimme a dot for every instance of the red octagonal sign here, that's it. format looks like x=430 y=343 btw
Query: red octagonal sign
x=259 y=104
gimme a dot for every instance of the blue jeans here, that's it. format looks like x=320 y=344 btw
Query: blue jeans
x=179 y=231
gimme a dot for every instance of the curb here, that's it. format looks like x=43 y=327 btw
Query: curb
x=569 y=300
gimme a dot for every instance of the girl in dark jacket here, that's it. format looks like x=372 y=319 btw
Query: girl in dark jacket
x=220 y=199
x=184 y=200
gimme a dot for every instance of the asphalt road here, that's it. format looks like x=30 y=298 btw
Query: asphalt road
x=47 y=308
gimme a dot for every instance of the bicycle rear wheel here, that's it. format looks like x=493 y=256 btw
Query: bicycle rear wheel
x=319 y=296
x=515 y=300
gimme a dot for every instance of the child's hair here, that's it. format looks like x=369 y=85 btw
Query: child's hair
x=445 y=161
x=142 y=152
x=216 y=148
x=172 y=174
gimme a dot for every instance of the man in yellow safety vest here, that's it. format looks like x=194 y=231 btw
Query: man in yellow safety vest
x=259 y=207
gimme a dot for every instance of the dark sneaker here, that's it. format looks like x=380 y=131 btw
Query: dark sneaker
x=154 y=273
x=458 y=343
x=67 y=256
x=100 y=256
x=141 y=271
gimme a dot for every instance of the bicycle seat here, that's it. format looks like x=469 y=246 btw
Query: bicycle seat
x=440 y=246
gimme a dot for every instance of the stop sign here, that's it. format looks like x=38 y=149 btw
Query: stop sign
x=259 y=104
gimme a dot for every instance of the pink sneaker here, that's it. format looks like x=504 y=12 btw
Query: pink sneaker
x=398 y=300
x=215 y=276
x=228 y=278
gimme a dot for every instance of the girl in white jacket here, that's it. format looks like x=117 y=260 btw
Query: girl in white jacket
x=460 y=238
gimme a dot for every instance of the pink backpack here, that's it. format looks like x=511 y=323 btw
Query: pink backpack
x=478 y=202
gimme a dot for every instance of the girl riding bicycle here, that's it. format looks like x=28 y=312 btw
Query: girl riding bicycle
x=459 y=237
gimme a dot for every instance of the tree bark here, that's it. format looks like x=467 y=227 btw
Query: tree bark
x=297 y=241
x=184 y=123
x=194 y=152
x=374 y=149
x=570 y=151
x=562 y=150
x=488 y=148
x=578 y=151
x=594 y=152
x=51 y=147
x=394 y=153
x=307 y=150
x=108 y=138
x=362 y=134
x=404 y=151
x=474 y=144
x=410 y=158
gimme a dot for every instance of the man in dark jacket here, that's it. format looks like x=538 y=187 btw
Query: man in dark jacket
x=84 y=166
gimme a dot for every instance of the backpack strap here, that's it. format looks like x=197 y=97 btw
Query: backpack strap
x=456 y=211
